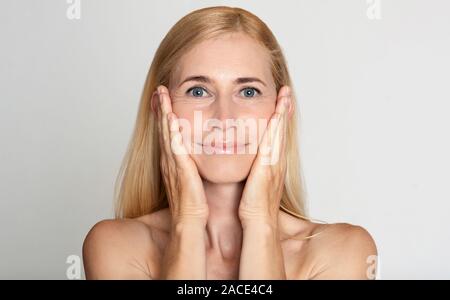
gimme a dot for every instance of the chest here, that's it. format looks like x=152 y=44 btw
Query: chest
x=297 y=264
x=297 y=257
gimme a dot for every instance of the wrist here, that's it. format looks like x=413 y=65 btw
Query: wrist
x=263 y=224
x=198 y=217
x=180 y=225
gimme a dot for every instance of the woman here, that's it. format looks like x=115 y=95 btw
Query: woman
x=202 y=205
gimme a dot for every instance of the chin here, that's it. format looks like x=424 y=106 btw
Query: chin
x=224 y=168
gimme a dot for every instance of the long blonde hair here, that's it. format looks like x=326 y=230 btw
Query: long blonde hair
x=139 y=188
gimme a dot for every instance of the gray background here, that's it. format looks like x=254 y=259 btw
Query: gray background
x=373 y=96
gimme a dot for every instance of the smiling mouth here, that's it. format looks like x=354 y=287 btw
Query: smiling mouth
x=225 y=148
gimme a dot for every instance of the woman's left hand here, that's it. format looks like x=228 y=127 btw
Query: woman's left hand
x=263 y=189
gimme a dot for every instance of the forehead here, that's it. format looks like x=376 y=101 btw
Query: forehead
x=225 y=58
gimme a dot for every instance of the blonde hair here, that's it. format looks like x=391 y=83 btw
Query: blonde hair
x=139 y=185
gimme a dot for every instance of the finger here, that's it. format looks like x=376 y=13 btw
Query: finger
x=164 y=165
x=274 y=121
x=282 y=128
x=164 y=122
x=160 y=120
x=179 y=151
x=166 y=104
x=161 y=142
x=276 y=143
x=270 y=143
x=159 y=128
x=279 y=143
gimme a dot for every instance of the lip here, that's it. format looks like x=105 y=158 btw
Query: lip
x=228 y=147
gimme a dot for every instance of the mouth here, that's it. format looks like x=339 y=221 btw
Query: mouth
x=228 y=147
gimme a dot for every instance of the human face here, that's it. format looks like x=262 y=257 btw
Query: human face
x=231 y=113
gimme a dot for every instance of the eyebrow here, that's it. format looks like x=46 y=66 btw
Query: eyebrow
x=206 y=79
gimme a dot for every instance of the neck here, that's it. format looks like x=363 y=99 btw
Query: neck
x=223 y=229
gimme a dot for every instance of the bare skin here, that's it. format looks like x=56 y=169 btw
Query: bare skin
x=223 y=220
x=137 y=246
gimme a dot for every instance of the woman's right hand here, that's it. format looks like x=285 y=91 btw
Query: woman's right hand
x=184 y=187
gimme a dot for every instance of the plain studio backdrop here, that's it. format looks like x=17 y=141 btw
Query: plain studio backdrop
x=372 y=79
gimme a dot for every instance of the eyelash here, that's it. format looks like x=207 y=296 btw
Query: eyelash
x=244 y=88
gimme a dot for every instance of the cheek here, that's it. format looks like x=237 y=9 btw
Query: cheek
x=183 y=110
x=260 y=113
x=264 y=112
x=222 y=168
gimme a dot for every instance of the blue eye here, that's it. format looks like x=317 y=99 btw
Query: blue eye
x=197 y=91
x=249 y=92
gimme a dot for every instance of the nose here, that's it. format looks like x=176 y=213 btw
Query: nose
x=223 y=109
x=221 y=116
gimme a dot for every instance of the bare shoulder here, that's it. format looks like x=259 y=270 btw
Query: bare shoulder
x=343 y=251
x=118 y=249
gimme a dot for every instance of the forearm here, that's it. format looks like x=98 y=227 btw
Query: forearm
x=185 y=255
x=261 y=254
